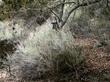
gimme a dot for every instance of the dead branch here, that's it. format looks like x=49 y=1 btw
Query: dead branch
x=59 y=19
x=76 y=7
x=61 y=4
x=62 y=9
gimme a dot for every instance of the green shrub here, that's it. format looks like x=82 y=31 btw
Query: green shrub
x=7 y=48
x=64 y=63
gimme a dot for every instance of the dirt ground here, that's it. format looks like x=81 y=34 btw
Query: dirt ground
x=97 y=58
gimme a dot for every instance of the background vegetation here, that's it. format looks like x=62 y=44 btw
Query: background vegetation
x=55 y=40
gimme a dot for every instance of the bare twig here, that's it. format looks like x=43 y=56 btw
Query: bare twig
x=62 y=9
x=107 y=3
x=62 y=3
x=55 y=14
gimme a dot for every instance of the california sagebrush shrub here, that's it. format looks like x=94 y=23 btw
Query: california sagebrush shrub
x=64 y=64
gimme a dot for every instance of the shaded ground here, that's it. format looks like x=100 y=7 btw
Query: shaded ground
x=96 y=55
x=97 y=59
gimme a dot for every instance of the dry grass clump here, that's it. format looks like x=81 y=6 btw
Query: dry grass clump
x=66 y=64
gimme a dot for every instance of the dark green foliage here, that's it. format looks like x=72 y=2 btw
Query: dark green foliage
x=17 y=4
x=13 y=7
x=66 y=61
x=67 y=64
x=7 y=48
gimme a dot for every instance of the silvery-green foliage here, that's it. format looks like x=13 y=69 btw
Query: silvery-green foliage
x=37 y=48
